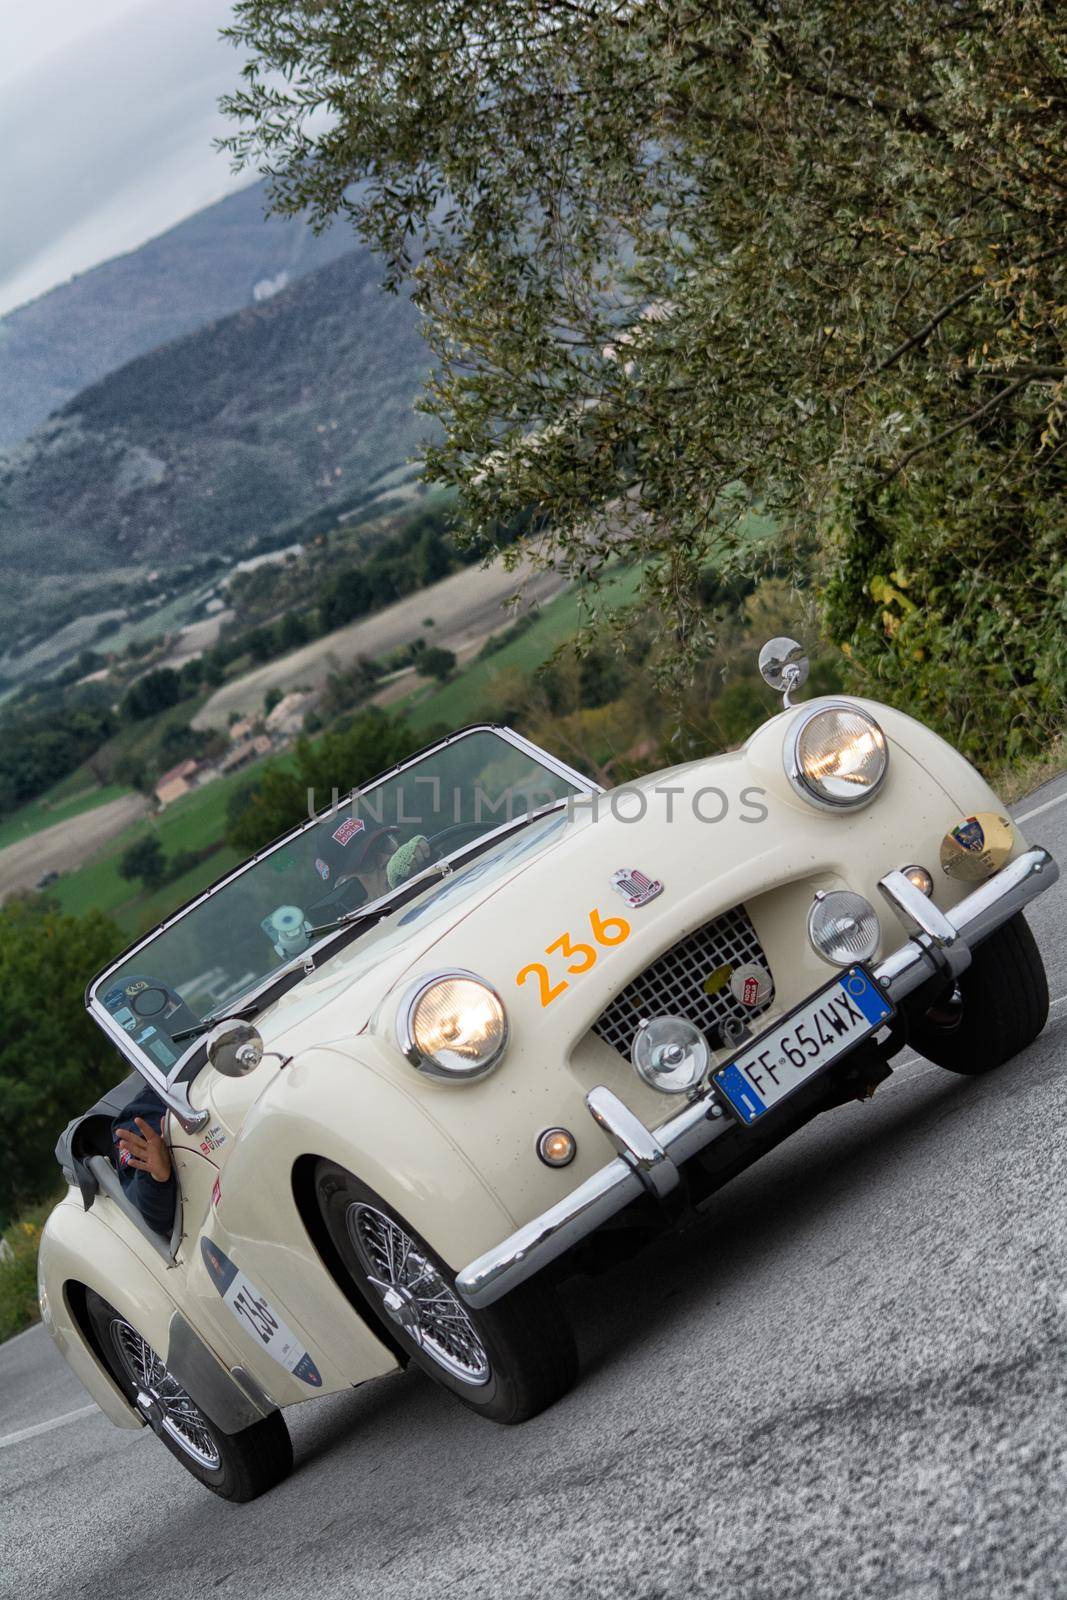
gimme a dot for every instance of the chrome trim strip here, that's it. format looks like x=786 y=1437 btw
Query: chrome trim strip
x=614 y=1186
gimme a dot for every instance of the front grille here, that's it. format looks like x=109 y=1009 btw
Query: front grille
x=674 y=983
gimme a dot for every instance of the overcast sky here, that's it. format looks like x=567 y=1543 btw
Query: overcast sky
x=107 y=113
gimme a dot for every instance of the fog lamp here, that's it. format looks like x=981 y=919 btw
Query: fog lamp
x=670 y=1054
x=556 y=1147
x=920 y=879
x=843 y=927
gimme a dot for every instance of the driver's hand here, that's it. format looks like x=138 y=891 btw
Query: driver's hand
x=406 y=861
x=147 y=1152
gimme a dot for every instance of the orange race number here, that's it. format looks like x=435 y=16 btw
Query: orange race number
x=579 y=957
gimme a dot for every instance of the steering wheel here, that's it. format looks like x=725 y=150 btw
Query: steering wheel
x=348 y=894
x=448 y=838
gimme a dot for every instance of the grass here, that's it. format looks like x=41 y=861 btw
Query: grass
x=18 y=1269
x=59 y=805
x=196 y=822
x=460 y=701
x=1013 y=780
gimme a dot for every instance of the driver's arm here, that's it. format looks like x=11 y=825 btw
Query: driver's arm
x=406 y=861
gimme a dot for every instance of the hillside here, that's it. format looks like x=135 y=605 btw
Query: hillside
x=226 y=257
x=221 y=435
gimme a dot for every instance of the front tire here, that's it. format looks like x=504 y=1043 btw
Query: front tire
x=1002 y=1006
x=507 y=1361
x=235 y=1466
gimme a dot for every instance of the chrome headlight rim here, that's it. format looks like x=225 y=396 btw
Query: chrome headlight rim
x=799 y=780
x=428 y=1065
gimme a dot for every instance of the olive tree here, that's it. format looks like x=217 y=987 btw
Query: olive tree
x=677 y=259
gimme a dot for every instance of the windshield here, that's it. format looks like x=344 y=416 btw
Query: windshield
x=360 y=852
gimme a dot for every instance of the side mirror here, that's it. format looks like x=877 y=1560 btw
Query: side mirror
x=234 y=1048
x=784 y=666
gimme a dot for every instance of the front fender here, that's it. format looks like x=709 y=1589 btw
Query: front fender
x=348 y=1103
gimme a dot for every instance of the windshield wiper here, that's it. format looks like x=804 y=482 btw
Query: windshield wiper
x=245 y=1014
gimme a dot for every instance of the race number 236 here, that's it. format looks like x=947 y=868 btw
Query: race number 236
x=576 y=956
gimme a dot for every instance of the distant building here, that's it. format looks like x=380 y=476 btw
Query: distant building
x=177 y=782
x=239 y=755
x=240 y=730
x=287 y=718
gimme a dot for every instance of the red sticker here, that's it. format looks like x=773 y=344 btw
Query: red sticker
x=348 y=829
x=216 y=1192
x=751 y=994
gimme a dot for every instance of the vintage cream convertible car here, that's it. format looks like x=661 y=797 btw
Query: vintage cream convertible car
x=482 y=1024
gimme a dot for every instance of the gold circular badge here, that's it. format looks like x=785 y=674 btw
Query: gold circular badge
x=978 y=846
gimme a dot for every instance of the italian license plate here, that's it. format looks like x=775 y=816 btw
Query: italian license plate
x=803 y=1043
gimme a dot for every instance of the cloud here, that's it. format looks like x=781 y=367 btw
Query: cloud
x=108 y=137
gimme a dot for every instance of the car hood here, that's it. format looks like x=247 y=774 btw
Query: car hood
x=732 y=824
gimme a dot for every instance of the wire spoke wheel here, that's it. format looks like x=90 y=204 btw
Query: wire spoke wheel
x=168 y=1406
x=415 y=1296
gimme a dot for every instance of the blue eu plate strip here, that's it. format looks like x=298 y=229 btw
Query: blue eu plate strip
x=740 y=1093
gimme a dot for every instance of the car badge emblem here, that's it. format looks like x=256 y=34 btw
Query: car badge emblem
x=969 y=835
x=636 y=887
x=977 y=846
x=751 y=984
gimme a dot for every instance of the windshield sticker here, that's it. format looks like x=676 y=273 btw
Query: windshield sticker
x=322 y=868
x=348 y=830
x=257 y=1316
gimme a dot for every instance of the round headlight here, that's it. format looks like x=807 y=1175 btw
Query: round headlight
x=843 y=927
x=837 y=756
x=670 y=1054
x=453 y=1026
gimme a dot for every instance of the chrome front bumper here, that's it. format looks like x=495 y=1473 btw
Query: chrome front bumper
x=941 y=944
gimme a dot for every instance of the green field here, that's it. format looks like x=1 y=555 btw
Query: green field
x=460 y=701
x=195 y=823
x=56 y=806
x=198 y=822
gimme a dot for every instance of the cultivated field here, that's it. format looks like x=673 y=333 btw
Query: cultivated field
x=66 y=845
x=466 y=607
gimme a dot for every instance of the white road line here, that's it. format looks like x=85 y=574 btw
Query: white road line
x=46 y=1427
x=1048 y=805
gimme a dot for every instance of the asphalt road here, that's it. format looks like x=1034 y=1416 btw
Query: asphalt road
x=848 y=1380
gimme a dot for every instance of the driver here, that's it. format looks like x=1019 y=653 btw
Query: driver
x=373 y=858
x=143 y=1160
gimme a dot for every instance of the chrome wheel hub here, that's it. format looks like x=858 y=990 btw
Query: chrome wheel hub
x=161 y=1399
x=415 y=1296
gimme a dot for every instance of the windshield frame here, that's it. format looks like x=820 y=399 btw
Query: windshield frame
x=169 y=1086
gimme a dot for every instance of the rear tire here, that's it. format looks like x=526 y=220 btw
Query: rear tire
x=506 y=1362
x=235 y=1466
x=1004 y=995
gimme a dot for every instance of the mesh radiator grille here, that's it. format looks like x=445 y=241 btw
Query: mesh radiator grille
x=674 y=983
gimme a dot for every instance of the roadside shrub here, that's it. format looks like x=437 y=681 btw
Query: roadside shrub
x=18 y=1271
x=951 y=602
x=54 y=1061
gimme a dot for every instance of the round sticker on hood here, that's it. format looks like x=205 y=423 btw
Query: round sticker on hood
x=751 y=984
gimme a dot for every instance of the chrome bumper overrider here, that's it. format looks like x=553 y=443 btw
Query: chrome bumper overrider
x=941 y=943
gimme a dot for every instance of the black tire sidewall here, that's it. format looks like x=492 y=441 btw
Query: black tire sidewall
x=242 y=1473
x=509 y=1394
x=1005 y=1006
